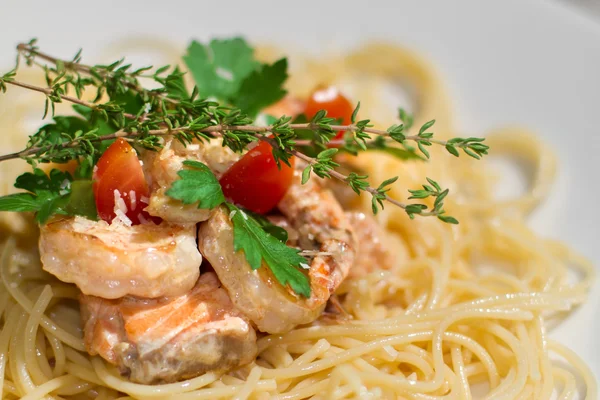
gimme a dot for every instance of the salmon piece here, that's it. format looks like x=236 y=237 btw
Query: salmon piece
x=169 y=339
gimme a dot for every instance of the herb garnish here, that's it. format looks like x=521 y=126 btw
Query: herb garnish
x=224 y=70
x=258 y=245
x=197 y=185
x=48 y=195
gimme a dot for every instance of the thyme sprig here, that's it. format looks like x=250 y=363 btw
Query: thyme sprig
x=142 y=116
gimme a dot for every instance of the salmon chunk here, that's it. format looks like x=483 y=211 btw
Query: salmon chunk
x=169 y=339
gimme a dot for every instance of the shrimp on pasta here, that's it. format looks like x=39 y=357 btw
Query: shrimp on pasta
x=115 y=260
x=321 y=226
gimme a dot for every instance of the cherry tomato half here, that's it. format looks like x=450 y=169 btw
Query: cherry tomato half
x=332 y=101
x=119 y=169
x=255 y=182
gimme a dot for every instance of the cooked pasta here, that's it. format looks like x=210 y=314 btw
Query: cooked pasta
x=462 y=312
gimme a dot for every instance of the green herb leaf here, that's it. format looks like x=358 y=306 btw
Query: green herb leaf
x=38 y=181
x=19 y=202
x=306 y=134
x=423 y=149
x=261 y=88
x=306 y=173
x=355 y=113
x=452 y=150
x=48 y=194
x=448 y=219
x=130 y=101
x=273 y=230
x=259 y=246
x=49 y=206
x=227 y=70
x=219 y=68
x=379 y=144
x=406 y=118
x=426 y=126
x=435 y=184
x=175 y=85
x=197 y=185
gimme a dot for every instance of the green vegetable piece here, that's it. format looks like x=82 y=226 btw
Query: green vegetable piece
x=82 y=201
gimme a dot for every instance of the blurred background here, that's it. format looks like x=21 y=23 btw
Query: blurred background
x=592 y=7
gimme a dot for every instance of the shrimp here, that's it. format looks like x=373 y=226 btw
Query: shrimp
x=169 y=339
x=160 y=169
x=373 y=252
x=322 y=226
x=115 y=260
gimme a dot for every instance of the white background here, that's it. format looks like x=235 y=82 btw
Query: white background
x=535 y=63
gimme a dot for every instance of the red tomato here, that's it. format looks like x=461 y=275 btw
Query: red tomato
x=119 y=169
x=255 y=182
x=332 y=101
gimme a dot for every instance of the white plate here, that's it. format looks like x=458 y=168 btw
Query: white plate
x=535 y=63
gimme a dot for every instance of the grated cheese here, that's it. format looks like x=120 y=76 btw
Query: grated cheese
x=304 y=266
x=132 y=199
x=120 y=209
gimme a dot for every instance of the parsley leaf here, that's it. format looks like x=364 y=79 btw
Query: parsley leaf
x=52 y=194
x=262 y=88
x=49 y=205
x=227 y=70
x=219 y=68
x=273 y=230
x=197 y=184
x=48 y=194
x=19 y=202
x=38 y=181
x=258 y=245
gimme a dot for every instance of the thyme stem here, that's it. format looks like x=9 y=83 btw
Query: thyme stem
x=218 y=128
x=86 y=69
x=344 y=178
x=71 y=99
x=354 y=128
